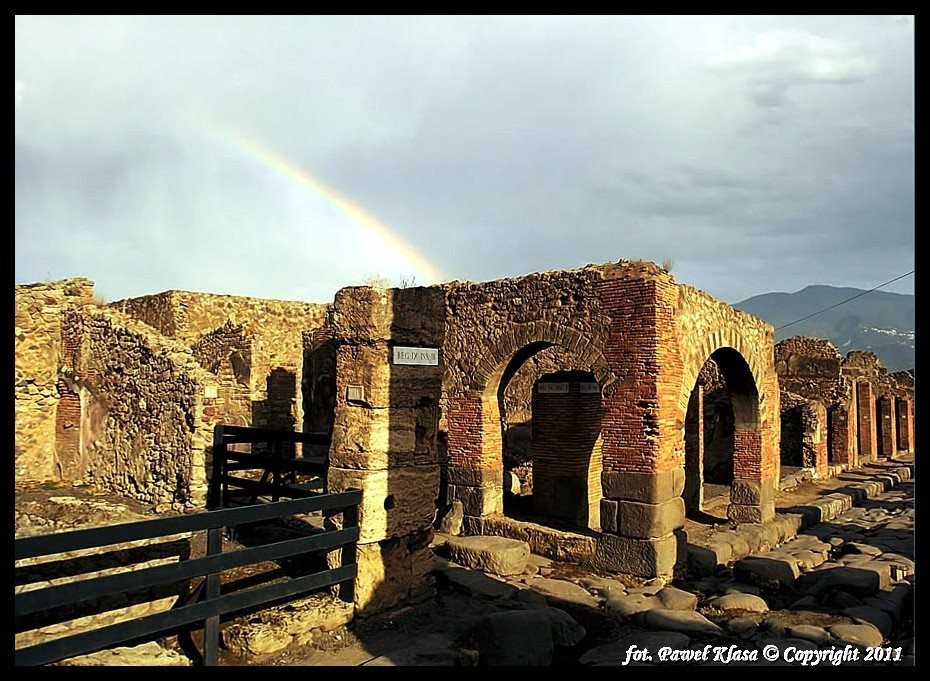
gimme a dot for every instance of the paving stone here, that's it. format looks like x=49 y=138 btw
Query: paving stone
x=766 y=571
x=676 y=599
x=560 y=590
x=434 y=650
x=615 y=653
x=499 y=555
x=476 y=584
x=743 y=625
x=740 y=588
x=520 y=637
x=627 y=605
x=861 y=580
x=603 y=586
x=871 y=615
x=565 y=630
x=808 y=632
x=859 y=634
x=857 y=547
x=532 y=599
x=685 y=621
x=739 y=601
x=840 y=599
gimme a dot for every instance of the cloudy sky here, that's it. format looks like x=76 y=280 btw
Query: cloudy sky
x=289 y=156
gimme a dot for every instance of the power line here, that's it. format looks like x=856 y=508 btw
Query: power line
x=843 y=302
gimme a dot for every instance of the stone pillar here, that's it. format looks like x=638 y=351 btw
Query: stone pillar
x=905 y=429
x=887 y=426
x=385 y=436
x=868 y=437
x=818 y=436
x=694 y=451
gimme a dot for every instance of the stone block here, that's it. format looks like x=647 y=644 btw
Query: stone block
x=474 y=477
x=384 y=438
x=517 y=638
x=609 y=516
x=386 y=384
x=389 y=572
x=640 y=557
x=650 y=488
x=752 y=492
x=499 y=555
x=477 y=501
x=739 y=513
x=395 y=502
x=767 y=571
x=636 y=519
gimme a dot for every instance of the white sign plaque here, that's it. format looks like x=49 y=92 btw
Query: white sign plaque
x=589 y=388
x=553 y=388
x=421 y=356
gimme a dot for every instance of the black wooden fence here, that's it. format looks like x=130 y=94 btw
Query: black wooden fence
x=213 y=604
x=280 y=471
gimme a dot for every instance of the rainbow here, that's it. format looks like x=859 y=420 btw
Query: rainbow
x=368 y=222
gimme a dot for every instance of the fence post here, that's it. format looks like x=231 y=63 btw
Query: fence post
x=349 y=552
x=215 y=495
x=211 y=625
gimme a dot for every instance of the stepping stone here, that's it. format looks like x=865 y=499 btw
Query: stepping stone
x=685 y=621
x=615 y=653
x=520 y=637
x=602 y=586
x=565 y=630
x=740 y=602
x=858 y=634
x=560 y=590
x=499 y=555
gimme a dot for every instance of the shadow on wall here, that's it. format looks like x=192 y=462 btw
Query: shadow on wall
x=276 y=411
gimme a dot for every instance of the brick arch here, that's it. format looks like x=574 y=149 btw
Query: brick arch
x=718 y=340
x=500 y=352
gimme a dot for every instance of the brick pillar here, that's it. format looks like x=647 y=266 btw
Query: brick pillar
x=868 y=436
x=475 y=477
x=642 y=513
x=841 y=434
x=887 y=426
x=694 y=451
x=905 y=427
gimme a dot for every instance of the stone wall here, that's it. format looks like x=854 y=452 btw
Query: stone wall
x=37 y=390
x=143 y=432
x=275 y=328
x=803 y=433
x=812 y=368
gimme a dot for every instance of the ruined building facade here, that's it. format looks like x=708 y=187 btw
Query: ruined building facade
x=603 y=403
x=840 y=411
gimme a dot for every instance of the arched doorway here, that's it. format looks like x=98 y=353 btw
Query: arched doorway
x=721 y=427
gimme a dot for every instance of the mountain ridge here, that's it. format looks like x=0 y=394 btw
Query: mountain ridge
x=880 y=321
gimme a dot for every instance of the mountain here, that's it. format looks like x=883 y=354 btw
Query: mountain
x=878 y=321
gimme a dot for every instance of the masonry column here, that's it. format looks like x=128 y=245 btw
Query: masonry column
x=905 y=411
x=841 y=433
x=388 y=385
x=643 y=512
x=887 y=426
x=865 y=407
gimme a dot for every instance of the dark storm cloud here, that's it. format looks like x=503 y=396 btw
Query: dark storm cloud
x=759 y=153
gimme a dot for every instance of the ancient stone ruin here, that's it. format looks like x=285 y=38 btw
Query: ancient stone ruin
x=586 y=412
